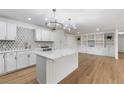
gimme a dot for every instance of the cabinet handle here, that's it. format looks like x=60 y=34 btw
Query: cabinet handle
x=15 y=58
x=28 y=55
x=3 y=56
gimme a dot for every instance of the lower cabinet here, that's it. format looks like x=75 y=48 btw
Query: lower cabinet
x=10 y=61
x=22 y=60
x=1 y=63
x=25 y=59
x=31 y=58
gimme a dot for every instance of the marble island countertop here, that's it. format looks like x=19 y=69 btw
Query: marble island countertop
x=54 y=54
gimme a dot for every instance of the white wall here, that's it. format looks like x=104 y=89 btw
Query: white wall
x=121 y=43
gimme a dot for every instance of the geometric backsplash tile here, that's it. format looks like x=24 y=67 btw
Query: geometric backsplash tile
x=24 y=36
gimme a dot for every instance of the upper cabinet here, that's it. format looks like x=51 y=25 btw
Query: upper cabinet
x=43 y=35
x=38 y=35
x=2 y=30
x=11 y=31
x=7 y=31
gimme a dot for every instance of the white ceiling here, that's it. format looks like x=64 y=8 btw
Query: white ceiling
x=87 y=20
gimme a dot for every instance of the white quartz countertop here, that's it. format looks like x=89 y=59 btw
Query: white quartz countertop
x=54 y=54
x=17 y=50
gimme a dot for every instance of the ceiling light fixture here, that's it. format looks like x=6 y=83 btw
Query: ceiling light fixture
x=55 y=24
x=97 y=29
x=69 y=26
x=29 y=18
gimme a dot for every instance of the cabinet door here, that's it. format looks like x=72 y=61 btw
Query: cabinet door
x=44 y=35
x=1 y=63
x=32 y=58
x=10 y=61
x=51 y=36
x=11 y=31
x=2 y=30
x=47 y=35
x=38 y=35
x=22 y=60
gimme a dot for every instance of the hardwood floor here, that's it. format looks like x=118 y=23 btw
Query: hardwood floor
x=92 y=70
x=25 y=76
x=121 y=55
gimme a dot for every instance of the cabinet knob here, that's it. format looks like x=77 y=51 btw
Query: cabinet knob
x=3 y=56
x=29 y=55
x=15 y=58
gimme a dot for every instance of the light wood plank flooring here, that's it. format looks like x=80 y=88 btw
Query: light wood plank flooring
x=92 y=70
x=121 y=55
x=25 y=76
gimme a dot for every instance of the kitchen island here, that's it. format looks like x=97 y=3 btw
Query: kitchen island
x=53 y=66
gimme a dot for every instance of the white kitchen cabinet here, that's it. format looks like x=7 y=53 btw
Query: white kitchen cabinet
x=43 y=35
x=31 y=58
x=11 y=31
x=51 y=36
x=2 y=30
x=1 y=63
x=22 y=60
x=7 y=31
x=38 y=35
x=10 y=61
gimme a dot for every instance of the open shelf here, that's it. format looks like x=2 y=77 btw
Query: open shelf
x=96 y=40
x=91 y=37
x=91 y=43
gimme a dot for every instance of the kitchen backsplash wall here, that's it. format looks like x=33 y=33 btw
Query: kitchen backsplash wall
x=24 y=36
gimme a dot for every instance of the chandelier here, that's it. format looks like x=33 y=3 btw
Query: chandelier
x=55 y=24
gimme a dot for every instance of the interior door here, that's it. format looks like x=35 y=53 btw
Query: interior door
x=10 y=63
x=1 y=63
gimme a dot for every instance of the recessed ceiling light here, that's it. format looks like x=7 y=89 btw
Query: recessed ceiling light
x=97 y=29
x=29 y=18
x=46 y=19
